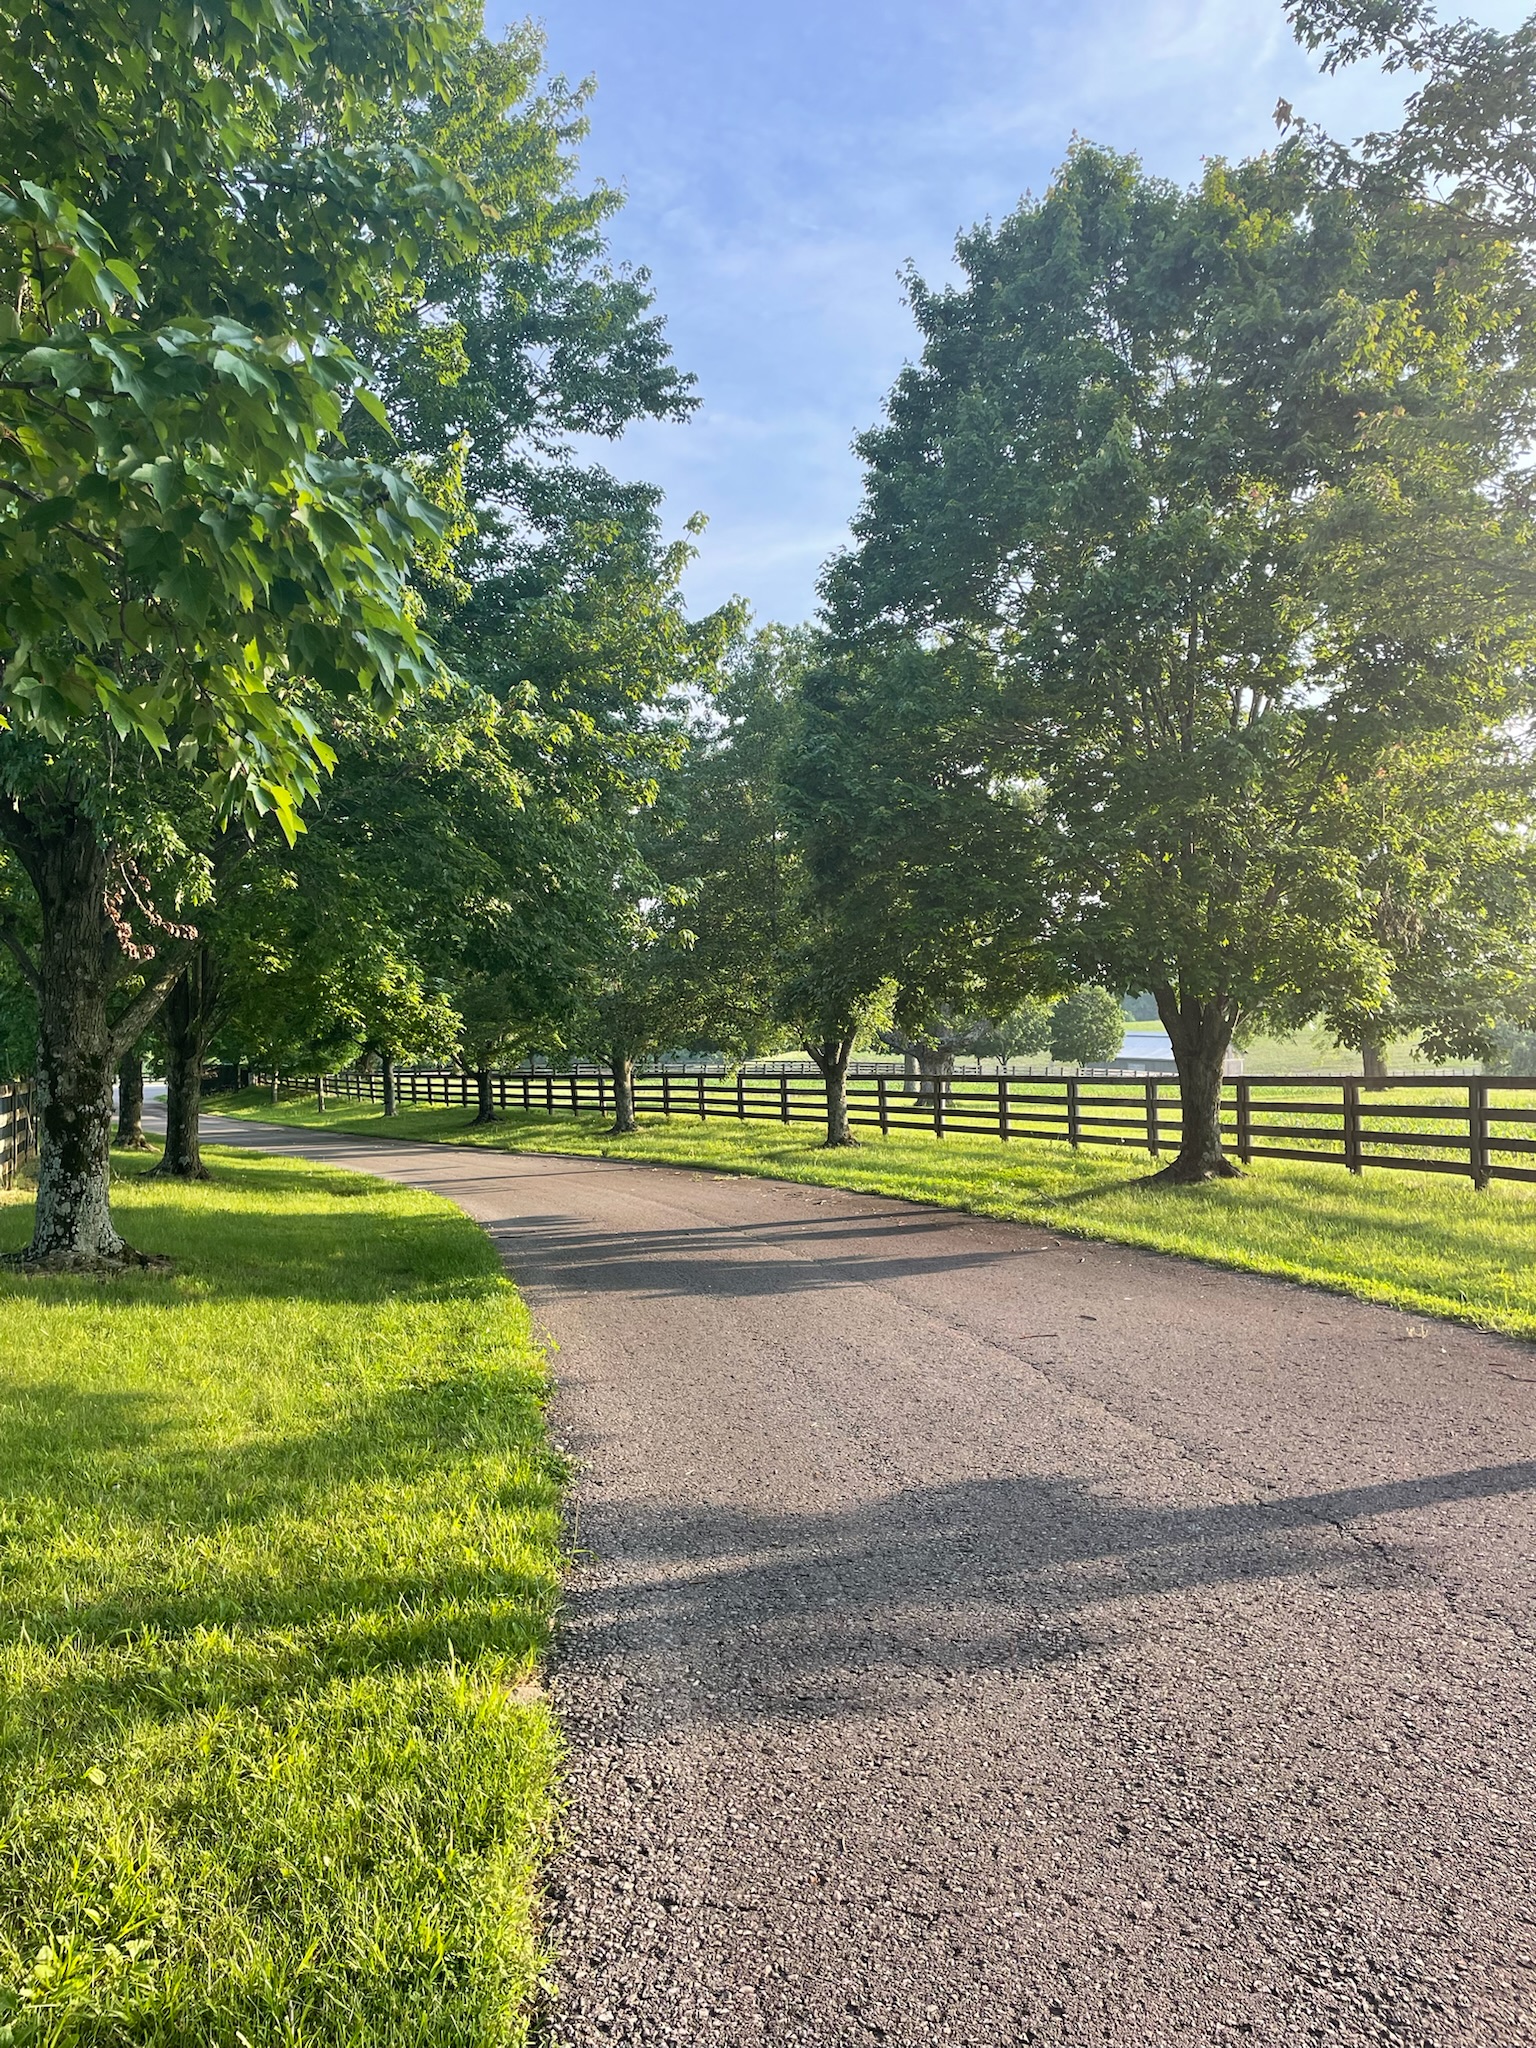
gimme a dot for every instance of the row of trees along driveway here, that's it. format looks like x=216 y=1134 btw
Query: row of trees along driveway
x=1183 y=644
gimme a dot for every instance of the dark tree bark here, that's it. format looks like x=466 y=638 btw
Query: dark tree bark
x=78 y=968
x=130 y=1103
x=831 y=1058
x=188 y=1025
x=621 y=1065
x=485 y=1099
x=388 y=1066
x=1201 y=1036
x=1373 y=1059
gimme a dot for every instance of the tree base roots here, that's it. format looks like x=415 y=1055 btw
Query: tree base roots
x=117 y=1266
x=1195 y=1173
x=164 y=1172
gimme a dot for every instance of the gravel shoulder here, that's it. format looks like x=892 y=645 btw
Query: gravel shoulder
x=987 y=1639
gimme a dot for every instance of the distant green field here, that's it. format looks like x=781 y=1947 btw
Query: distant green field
x=1428 y=1243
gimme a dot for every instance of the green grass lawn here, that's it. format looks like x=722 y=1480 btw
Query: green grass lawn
x=1425 y=1242
x=279 y=1553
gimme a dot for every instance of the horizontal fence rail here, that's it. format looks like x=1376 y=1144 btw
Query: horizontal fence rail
x=1482 y=1126
x=18 y=1129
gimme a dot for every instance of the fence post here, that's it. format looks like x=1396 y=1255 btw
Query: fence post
x=666 y=1091
x=1004 y=1128
x=602 y=1092
x=1353 y=1157
x=938 y=1106
x=1477 y=1132
x=1244 y=1120
x=741 y=1097
x=885 y=1107
x=527 y=1098
x=1073 y=1111
x=783 y=1096
x=1154 y=1135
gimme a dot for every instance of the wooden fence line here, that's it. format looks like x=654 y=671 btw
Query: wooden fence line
x=18 y=1129
x=1467 y=1127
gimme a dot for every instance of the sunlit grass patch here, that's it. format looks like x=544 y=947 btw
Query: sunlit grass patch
x=279 y=1551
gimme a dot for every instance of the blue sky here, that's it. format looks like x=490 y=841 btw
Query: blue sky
x=783 y=159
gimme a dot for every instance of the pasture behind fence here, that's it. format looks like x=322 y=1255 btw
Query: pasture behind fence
x=18 y=1129
x=1477 y=1125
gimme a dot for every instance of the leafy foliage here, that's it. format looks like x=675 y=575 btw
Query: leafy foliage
x=1175 y=492
x=187 y=546
x=1087 y=1027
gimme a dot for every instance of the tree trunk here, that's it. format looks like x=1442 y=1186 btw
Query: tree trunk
x=130 y=1103
x=1201 y=1034
x=485 y=1110
x=320 y=1092
x=77 y=968
x=390 y=1104
x=832 y=1057
x=275 y=1085
x=621 y=1066
x=909 y=1074
x=1373 y=1059
x=936 y=1065
x=186 y=1026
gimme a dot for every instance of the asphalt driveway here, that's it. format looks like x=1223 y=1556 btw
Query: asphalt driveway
x=988 y=1639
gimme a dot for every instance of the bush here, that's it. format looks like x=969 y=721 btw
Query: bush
x=1087 y=1028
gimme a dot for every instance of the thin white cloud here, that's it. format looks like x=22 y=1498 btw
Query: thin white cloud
x=783 y=163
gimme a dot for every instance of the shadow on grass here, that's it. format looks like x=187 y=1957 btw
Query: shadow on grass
x=166 y=1547
x=296 y=1233
x=158 y=1577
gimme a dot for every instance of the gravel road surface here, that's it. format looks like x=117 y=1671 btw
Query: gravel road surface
x=988 y=1639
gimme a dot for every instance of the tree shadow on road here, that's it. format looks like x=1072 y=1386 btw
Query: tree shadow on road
x=811 y=1614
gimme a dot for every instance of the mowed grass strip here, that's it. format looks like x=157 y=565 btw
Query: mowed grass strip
x=279 y=1552
x=1426 y=1242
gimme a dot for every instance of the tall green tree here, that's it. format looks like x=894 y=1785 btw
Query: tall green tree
x=194 y=563
x=1149 y=489
x=467 y=844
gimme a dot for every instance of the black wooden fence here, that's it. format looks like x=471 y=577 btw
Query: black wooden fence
x=1482 y=1126
x=18 y=1129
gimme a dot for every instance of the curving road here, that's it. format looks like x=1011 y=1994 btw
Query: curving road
x=985 y=1639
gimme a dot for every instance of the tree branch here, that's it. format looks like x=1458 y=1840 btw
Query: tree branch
x=10 y=938
x=141 y=1012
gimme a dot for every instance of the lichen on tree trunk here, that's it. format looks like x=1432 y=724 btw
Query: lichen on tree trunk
x=79 y=965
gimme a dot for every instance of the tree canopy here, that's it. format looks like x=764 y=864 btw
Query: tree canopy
x=1139 y=494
